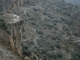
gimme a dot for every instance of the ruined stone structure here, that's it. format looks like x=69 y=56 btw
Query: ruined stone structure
x=8 y=5
x=14 y=27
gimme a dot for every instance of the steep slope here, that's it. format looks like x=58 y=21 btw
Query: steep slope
x=48 y=33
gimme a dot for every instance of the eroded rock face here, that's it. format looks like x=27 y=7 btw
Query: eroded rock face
x=13 y=28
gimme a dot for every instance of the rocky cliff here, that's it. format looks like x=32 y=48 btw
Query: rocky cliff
x=11 y=27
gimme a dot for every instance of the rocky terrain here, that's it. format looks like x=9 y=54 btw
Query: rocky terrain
x=51 y=30
x=6 y=54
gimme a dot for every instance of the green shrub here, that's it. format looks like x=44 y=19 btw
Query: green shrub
x=54 y=55
x=77 y=34
x=57 y=44
x=75 y=56
x=66 y=48
x=78 y=45
x=2 y=24
x=39 y=32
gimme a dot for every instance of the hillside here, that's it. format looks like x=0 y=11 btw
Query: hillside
x=51 y=30
x=9 y=5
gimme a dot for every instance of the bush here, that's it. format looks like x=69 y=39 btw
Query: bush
x=27 y=53
x=54 y=55
x=77 y=34
x=40 y=32
x=59 y=55
x=3 y=24
x=57 y=46
x=75 y=56
x=44 y=13
x=66 y=48
x=78 y=45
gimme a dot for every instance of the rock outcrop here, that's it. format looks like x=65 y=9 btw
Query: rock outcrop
x=12 y=25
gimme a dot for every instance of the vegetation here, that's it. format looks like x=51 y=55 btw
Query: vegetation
x=2 y=25
x=49 y=30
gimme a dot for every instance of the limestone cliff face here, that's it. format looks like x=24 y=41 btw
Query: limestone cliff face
x=12 y=26
x=8 y=5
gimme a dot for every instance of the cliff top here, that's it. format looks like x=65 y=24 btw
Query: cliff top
x=11 y=18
